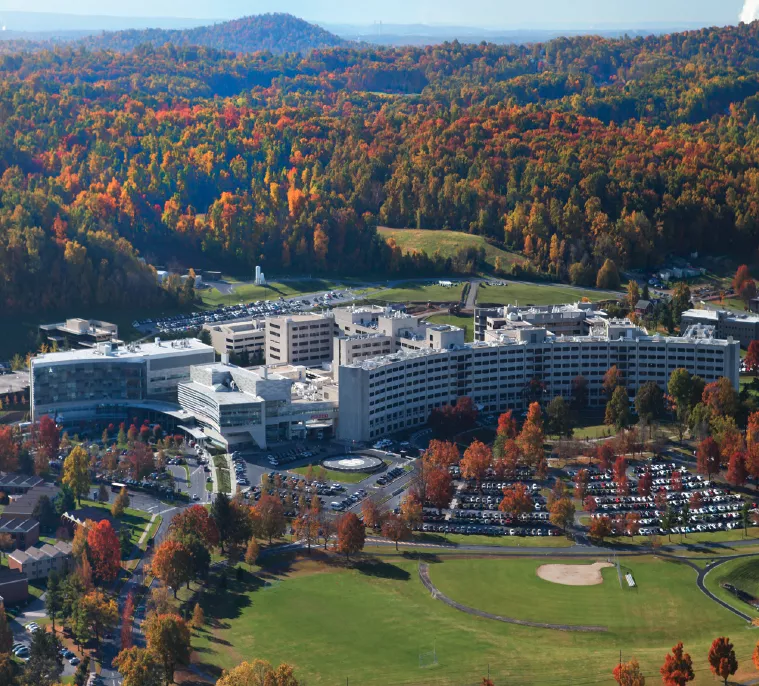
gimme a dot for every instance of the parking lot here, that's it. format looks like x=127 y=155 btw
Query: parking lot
x=193 y=321
x=709 y=507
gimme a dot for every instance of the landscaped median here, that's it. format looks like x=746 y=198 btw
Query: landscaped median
x=223 y=475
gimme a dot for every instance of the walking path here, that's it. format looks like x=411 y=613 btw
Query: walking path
x=424 y=575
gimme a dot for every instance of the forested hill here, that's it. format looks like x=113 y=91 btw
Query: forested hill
x=275 y=33
x=573 y=152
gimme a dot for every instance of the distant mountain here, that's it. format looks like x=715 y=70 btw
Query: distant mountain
x=427 y=34
x=277 y=33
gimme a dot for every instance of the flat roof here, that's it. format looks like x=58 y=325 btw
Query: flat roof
x=14 y=382
x=134 y=351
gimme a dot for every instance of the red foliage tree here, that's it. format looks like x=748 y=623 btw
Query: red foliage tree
x=708 y=457
x=48 y=438
x=439 y=487
x=350 y=535
x=736 y=469
x=140 y=460
x=507 y=425
x=620 y=474
x=516 y=500
x=645 y=483
x=676 y=481
x=127 y=615
x=8 y=450
x=722 y=660
x=677 y=669
x=604 y=454
x=752 y=357
x=721 y=398
x=581 y=484
x=104 y=551
x=477 y=458
x=196 y=521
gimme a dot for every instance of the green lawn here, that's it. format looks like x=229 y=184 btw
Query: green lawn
x=369 y=624
x=332 y=475
x=447 y=243
x=421 y=292
x=495 y=541
x=224 y=480
x=137 y=520
x=247 y=292
x=461 y=320
x=742 y=573
x=537 y=294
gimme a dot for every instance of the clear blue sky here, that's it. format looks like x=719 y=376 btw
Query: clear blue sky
x=496 y=14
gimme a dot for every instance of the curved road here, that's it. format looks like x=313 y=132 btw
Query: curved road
x=424 y=575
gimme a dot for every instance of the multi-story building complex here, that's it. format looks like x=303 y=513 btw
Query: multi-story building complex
x=37 y=563
x=386 y=394
x=240 y=408
x=301 y=339
x=567 y=320
x=240 y=339
x=14 y=587
x=105 y=383
x=741 y=327
x=79 y=333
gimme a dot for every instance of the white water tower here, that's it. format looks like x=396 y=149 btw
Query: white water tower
x=260 y=278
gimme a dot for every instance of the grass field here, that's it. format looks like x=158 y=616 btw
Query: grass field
x=494 y=541
x=461 y=320
x=368 y=624
x=332 y=475
x=742 y=573
x=447 y=243
x=537 y=294
x=420 y=292
x=137 y=520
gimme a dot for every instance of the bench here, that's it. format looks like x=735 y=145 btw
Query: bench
x=630 y=580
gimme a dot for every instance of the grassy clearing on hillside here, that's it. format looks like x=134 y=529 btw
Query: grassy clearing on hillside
x=461 y=320
x=421 y=293
x=536 y=294
x=447 y=243
x=369 y=623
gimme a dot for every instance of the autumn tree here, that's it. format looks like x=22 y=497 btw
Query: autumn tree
x=677 y=669
x=101 y=612
x=104 y=551
x=581 y=484
x=258 y=673
x=395 y=529
x=195 y=521
x=507 y=425
x=600 y=528
x=752 y=358
x=172 y=564
x=48 y=440
x=629 y=674
x=613 y=379
x=139 y=667
x=127 y=619
x=516 y=500
x=708 y=457
x=120 y=503
x=608 y=276
x=722 y=660
x=269 y=517
x=476 y=461
x=140 y=460
x=562 y=513
x=721 y=398
x=168 y=637
x=441 y=454
x=531 y=439
x=372 y=512
x=76 y=473
x=350 y=535
x=251 y=552
x=198 y=617
x=306 y=527
x=439 y=490
x=411 y=510
x=736 y=469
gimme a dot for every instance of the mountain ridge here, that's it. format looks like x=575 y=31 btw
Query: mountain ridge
x=273 y=32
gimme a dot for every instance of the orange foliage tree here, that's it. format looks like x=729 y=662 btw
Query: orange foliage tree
x=104 y=551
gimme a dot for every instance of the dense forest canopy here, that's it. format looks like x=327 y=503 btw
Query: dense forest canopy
x=574 y=151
